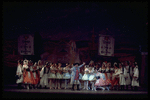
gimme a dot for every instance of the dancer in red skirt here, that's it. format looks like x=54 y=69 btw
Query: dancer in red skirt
x=35 y=75
x=27 y=80
x=103 y=81
x=115 y=76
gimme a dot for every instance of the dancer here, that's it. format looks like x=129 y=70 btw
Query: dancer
x=92 y=77
x=91 y=64
x=59 y=76
x=52 y=75
x=115 y=77
x=108 y=73
x=26 y=74
x=135 y=77
x=85 y=77
x=44 y=75
x=108 y=70
x=40 y=73
x=127 y=74
x=75 y=75
x=102 y=82
x=19 y=74
x=35 y=76
x=121 y=76
x=66 y=75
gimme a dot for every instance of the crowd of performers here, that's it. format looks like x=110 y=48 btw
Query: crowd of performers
x=105 y=76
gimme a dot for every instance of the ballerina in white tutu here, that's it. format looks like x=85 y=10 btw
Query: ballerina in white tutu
x=85 y=77
x=92 y=77
x=66 y=75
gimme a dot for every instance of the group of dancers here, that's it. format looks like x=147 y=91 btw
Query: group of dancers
x=94 y=76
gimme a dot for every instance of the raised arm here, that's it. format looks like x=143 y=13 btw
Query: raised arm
x=82 y=65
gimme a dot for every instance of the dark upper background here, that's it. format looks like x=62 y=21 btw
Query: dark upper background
x=127 y=21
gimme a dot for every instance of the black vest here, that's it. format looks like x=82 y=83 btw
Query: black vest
x=45 y=70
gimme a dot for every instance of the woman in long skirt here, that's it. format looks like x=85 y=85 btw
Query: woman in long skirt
x=59 y=76
x=39 y=68
x=135 y=77
x=115 y=77
x=19 y=74
x=52 y=75
x=108 y=73
x=121 y=76
x=127 y=74
x=27 y=79
x=36 y=76
x=44 y=75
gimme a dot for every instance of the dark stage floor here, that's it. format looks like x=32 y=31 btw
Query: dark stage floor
x=11 y=91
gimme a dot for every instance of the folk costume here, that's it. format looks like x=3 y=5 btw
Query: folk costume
x=121 y=76
x=19 y=74
x=27 y=79
x=75 y=75
x=135 y=77
x=102 y=80
x=127 y=75
x=36 y=76
x=52 y=76
x=115 y=76
x=44 y=75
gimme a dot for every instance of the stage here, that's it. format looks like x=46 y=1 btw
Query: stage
x=11 y=91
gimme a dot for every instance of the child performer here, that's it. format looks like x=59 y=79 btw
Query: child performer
x=52 y=75
x=85 y=77
x=135 y=77
x=92 y=77
x=59 y=76
x=66 y=75
x=44 y=75
x=75 y=75
x=19 y=74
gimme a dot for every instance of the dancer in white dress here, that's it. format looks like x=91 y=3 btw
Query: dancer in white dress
x=85 y=77
x=66 y=75
x=92 y=77
x=121 y=76
x=135 y=77
x=44 y=75
x=127 y=74
x=19 y=74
